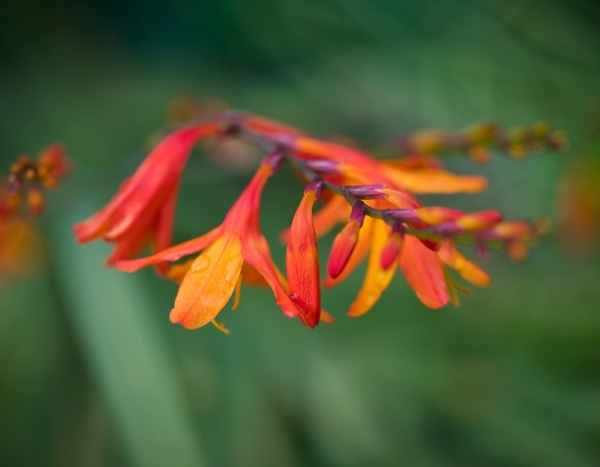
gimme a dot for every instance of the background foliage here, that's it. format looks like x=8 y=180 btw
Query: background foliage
x=93 y=374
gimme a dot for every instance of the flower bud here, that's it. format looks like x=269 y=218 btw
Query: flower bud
x=393 y=248
x=479 y=220
x=345 y=242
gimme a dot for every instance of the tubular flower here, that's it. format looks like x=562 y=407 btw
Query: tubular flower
x=143 y=209
x=210 y=280
x=302 y=259
x=384 y=223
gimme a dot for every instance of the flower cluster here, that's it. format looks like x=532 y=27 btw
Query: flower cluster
x=384 y=224
x=22 y=196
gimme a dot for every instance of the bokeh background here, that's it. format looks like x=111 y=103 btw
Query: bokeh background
x=92 y=373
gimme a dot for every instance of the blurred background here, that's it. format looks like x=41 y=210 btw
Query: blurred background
x=93 y=374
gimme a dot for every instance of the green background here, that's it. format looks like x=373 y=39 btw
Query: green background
x=93 y=374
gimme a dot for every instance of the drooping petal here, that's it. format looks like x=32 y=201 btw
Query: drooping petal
x=423 y=270
x=173 y=253
x=159 y=171
x=333 y=212
x=376 y=279
x=302 y=260
x=257 y=254
x=469 y=271
x=209 y=283
x=164 y=225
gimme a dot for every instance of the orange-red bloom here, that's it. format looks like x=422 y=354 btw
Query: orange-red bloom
x=212 y=277
x=143 y=209
x=302 y=259
x=376 y=200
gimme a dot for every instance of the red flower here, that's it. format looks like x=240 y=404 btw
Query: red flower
x=211 y=279
x=143 y=209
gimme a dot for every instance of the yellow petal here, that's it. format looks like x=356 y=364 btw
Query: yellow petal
x=209 y=283
x=376 y=279
x=469 y=271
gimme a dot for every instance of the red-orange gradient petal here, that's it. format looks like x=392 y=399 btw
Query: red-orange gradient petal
x=302 y=261
x=423 y=270
x=173 y=253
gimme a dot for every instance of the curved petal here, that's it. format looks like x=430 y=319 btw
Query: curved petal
x=160 y=169
x=424 y=272
x=171 y=254
x=469 y=271
x=377 y=279
x=257 y=254
x=302 y=261
x=333 y=212
x=209 y=283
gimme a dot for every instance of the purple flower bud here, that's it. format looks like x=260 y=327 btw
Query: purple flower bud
x=366 y=191
x=358 y=212
x=316 y=186
x=447 y=229
x=321 y=165
x=274 y=159
x=402 y=215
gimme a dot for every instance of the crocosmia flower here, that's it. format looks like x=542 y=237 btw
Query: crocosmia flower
x=142 y=211
x=384 y=223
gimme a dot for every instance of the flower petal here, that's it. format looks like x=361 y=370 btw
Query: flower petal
x=333 y=212
x=171 y=254
x=257 y=254
x=209 y=283
x=424 y=272
x=302 y=261
x=377 y=279
x=161 y=169
x=469 y=271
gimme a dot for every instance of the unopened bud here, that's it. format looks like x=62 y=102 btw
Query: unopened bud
x=345 y=242
x=393 y=248
x=366 y=191
x=479 y=220
x=322 y=165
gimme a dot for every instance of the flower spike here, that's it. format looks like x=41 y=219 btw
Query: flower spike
x=385 y=223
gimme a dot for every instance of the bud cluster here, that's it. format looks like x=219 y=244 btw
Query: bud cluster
x=479 y=141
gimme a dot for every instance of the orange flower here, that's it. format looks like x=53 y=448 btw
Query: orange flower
x=212 y=277
x=302 y=259
x=143 y=209
x=383 y=221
